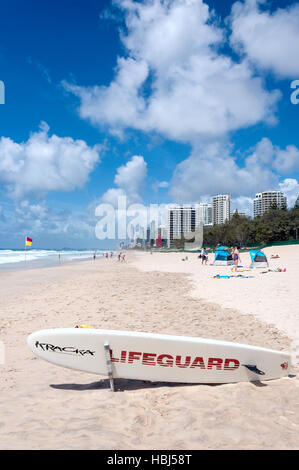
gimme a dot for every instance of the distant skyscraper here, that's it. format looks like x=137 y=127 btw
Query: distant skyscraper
x=148 y=235
x=181 y=220
x=132 y=233
x=263 y=201
x=141 y=233
x=152 y=230
x=162 y=232
x=203 y=214
x=220 y=209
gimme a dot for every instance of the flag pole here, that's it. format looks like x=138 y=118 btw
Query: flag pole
x=25 y=250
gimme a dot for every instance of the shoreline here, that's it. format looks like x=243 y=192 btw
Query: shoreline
x=48 y=262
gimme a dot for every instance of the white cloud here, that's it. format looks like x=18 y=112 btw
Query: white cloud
x=117 y=104
x=160 y=185
x=270 y=40
x=290 y=187
x=112 y=195
x=41 y=221
x=130 y=180
x=242 y=204
x=213 y=169
x=283 y=161
x=287 y=160
x=174 y=80
x=45 y=163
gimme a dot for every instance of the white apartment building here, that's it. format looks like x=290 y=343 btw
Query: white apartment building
x=220 y=209
x=203 y=214
x=181 y=220
x=262 y=201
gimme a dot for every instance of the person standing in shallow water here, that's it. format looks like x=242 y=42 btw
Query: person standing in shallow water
x=236 y=258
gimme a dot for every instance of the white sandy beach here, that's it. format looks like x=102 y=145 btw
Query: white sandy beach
x=273 y=297
x=46 y=407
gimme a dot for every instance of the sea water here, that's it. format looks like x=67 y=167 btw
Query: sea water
x=15 y=259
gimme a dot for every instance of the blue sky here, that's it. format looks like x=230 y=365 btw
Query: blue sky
x=161 y=101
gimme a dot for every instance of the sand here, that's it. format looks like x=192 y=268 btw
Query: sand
x=272 y=296
x=46 y=407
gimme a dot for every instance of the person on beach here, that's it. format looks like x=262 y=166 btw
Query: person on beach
x=118 y=256
x=106 y=255
x=236 y=258
x=204 y=256
x=123 y=257
x=94 y=255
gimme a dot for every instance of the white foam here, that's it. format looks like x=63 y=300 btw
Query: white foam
x=18 y=256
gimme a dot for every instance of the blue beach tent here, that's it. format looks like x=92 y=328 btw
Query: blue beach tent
x=223 y=258
x=222 y=248
x=258 y=259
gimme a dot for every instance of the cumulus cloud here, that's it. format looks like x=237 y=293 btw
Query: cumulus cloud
x=242 y=204
x=283 y=161
x=174 y=80
x=160 y=185
x=287 y=160
x=39 y=220
x=270 y=40
x=45 y=163
x=130 y=180
x=213 y=169
x=290 y=187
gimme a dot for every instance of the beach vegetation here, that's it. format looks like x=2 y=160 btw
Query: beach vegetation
x=274 y=226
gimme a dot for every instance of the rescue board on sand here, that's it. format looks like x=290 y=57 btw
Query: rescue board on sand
x=157 y=357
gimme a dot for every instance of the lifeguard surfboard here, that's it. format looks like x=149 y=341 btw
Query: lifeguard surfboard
x=157 y=357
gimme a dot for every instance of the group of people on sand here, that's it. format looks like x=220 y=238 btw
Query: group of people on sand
x=121 y=256
x=235 y=253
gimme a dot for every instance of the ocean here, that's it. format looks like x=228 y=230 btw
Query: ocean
x=34 y=258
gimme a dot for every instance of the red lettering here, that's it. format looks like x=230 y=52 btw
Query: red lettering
x=134 y=356
x=215 y=361
x=198 y=362
x=113 y=359
x=178 y=362
x=227 y=365
x=167 y=363
x=123 y=356
x=166 y=360
x=148 y=359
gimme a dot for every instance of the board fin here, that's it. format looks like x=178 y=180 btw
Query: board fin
x=253 y=369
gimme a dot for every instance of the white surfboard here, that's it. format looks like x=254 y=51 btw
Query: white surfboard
x=155 y=357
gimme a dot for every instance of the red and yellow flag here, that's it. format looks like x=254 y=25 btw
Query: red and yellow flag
x=28 y=241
